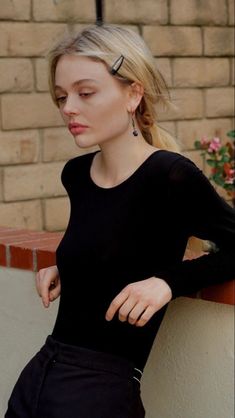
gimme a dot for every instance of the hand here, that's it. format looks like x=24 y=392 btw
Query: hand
x=139 y=301
x=48 y=284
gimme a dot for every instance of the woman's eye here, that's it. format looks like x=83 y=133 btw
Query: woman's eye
x=61 y=99
x=85 y=94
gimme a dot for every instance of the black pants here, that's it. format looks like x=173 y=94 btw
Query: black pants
x=65 y=381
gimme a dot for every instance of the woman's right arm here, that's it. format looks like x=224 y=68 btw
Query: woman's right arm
x=48 y=284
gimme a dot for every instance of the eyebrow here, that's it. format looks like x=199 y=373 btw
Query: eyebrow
x=78 y=82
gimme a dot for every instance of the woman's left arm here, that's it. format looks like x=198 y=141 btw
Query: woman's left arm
x=205 y=215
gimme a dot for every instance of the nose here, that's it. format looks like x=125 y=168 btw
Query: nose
x=71 y=106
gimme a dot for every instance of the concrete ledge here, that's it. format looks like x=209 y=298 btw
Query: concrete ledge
x=190 y=370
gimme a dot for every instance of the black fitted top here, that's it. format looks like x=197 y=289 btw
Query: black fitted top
x=130 y=232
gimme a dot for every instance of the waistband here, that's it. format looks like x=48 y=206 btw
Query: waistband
x=87 y=358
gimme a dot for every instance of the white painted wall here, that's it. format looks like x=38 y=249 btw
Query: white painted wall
x=24 y=326
x=190 y=371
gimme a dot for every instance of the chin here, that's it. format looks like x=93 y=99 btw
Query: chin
x=83 y=142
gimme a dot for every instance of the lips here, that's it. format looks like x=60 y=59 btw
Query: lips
x=77 y=128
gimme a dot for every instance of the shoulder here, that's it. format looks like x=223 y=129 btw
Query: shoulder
x=172 y=164
x=178 y=173
x=76 y=166
x=186 y=181
x=79 y=161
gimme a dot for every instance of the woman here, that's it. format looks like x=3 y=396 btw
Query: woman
x=134 y=205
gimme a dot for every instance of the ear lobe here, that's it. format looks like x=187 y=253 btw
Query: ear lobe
x=135 y=95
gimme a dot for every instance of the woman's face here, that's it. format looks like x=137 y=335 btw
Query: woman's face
x=88 y=95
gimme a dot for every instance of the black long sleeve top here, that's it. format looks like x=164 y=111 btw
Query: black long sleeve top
x=130 y=232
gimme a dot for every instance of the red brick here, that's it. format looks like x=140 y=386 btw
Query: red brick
x=51 y=244
x=24 y=238
x=23 y=245
x=21 y=258
x=38 y=243
x=14 y=239
x=3 y=258
x=22 y=253
x=10 y=232
x=45 y=258
x=221 y=293
x=3 y=228
x=21 y=235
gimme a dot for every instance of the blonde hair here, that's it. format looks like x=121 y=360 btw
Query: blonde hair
x=107 y=43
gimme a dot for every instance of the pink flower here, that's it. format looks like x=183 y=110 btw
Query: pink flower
x=215 y=145
x=229 y=181
x=230 y=176
x=204 y=140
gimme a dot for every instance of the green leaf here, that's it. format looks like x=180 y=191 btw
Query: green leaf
x=219 y=176
x=231 y=133
x=223 y=150
x=211 y=163
x=228 y=186
x=219 y=163
x=219 y=181
x=197 y=144
x=225 y=159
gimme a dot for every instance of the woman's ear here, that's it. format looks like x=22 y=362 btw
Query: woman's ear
x=135 y=94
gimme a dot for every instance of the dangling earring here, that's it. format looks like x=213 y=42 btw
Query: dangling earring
x=135 y=132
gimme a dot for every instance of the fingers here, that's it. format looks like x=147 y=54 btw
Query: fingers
x=48 y=284
x=126 y=308
x=129 y=309
x=44 y=292
x=136 y=312
x=146 y=316
x=116 y=303
x=55 y=292
x=139 y=301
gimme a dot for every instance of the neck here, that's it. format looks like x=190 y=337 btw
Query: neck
x=119 y=159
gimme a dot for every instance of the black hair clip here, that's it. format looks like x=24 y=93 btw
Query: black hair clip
x=117 y=65
x=99 y=12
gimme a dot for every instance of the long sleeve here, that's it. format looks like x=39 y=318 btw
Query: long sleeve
x=204 y=215
x=107 y=245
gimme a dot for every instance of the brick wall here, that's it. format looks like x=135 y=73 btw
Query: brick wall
x=193 y=45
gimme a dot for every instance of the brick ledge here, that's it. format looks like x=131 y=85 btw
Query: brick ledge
x=28 y=250
x=33 y=250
